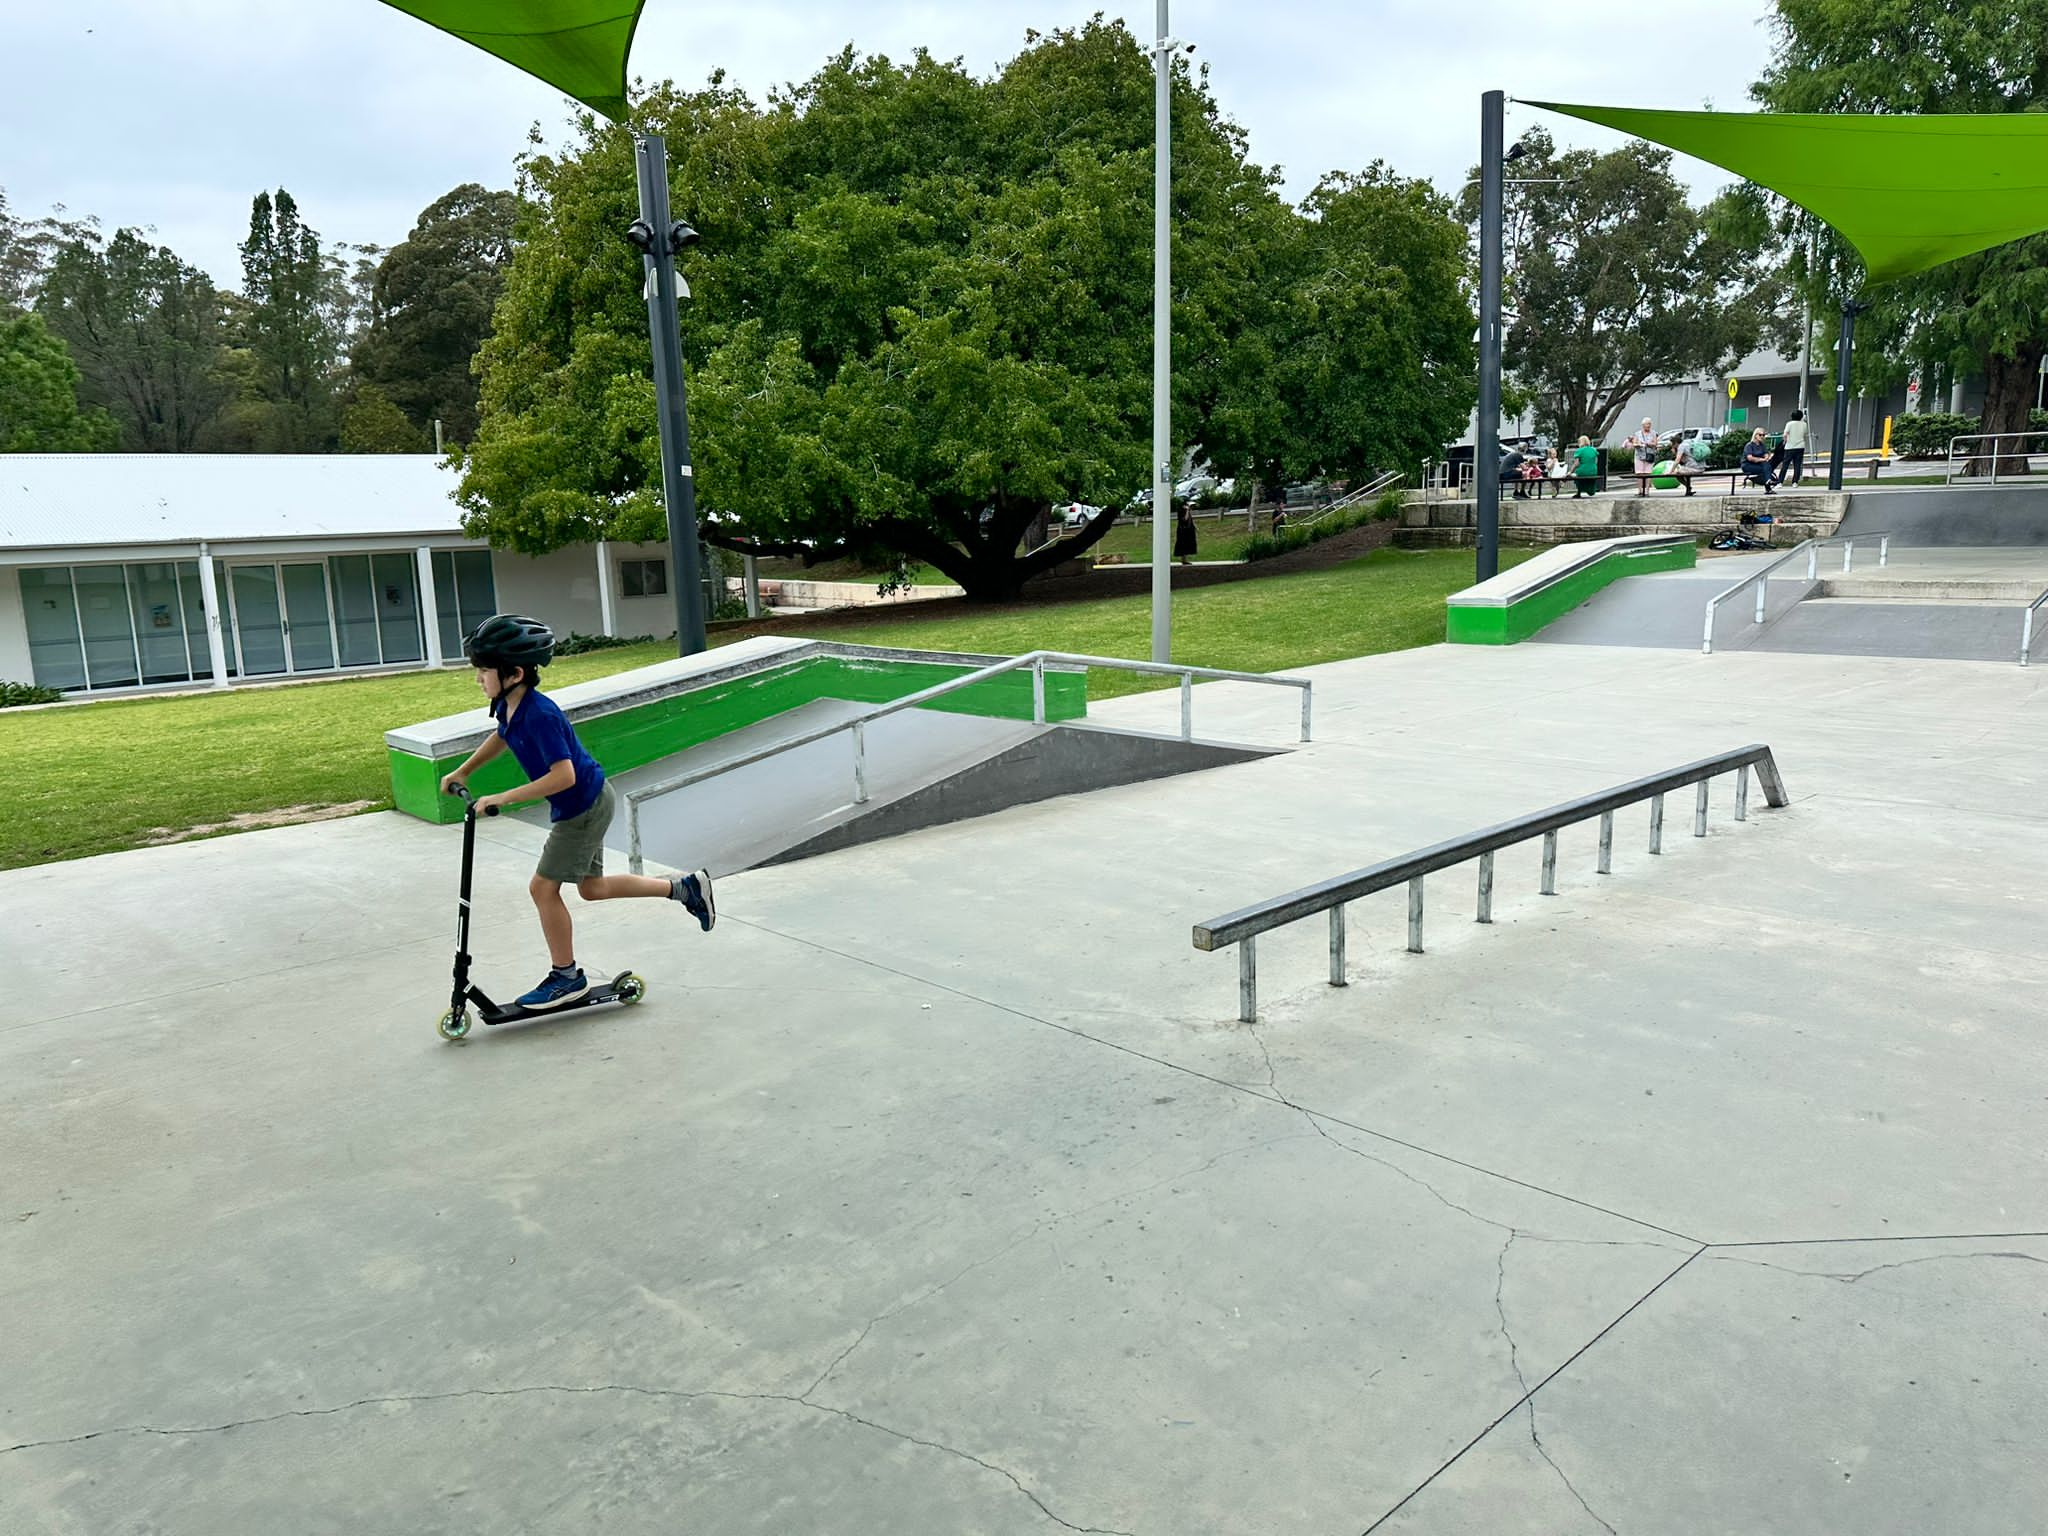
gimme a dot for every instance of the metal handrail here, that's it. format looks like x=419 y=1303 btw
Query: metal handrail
x=1810 y=548
x=2027 y=627
x=1349 y=499
x=1994 y=438
x=1037 y=661
x=1243 y=927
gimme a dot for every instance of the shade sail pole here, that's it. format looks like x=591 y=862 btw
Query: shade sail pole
x=1486 y=435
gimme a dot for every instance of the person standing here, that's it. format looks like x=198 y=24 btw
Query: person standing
x=1644 y=442
x=1587 y=468
x=1184 y=536
x=1794 y=464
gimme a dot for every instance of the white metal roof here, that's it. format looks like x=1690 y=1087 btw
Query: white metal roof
x=80 y=500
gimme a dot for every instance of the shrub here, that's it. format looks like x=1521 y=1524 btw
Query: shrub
x=577 y=644
x=1264 y=546
x=12 y=694
x=1926 y=436
x=1727 y=451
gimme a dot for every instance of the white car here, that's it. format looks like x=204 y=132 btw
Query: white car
x=1074 y=514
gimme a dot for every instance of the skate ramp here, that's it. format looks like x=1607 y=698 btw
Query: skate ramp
x=924 y=769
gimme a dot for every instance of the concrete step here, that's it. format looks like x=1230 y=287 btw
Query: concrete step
x=1884 y=586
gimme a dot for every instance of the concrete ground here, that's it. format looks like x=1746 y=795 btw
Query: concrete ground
x=937 y=1190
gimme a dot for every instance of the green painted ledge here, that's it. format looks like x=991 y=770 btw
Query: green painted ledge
x=1586 y=569
x=630 y=738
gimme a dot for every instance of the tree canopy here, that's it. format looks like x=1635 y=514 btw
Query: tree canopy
x=39 y=410
x=430 y=309
x=922 y=312
x=1986 y=313
x=1613 y=279
x=145 y=330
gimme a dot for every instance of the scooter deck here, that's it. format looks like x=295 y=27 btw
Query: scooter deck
x=490 y=1014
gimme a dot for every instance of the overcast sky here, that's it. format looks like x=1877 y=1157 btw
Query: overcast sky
x=174 y=115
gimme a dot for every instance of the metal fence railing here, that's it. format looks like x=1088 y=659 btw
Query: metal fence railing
x=1243 y=927
x=1958 y=456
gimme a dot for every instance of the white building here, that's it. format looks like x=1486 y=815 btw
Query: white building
x=135 y=571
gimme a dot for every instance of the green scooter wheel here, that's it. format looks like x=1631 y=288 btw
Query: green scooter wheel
x=454 y=1025
x=629 y=988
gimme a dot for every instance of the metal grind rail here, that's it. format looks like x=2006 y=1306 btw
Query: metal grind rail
x=2027 y=627
x=1036 y=661
x=1244 y=926
x=1811 y=548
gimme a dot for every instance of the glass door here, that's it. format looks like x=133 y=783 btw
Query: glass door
x=307 y=625
x=259 y=619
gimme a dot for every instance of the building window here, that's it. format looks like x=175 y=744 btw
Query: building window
x=376 y=608
x=643 y=578
x=114 y=626
x=465 y=594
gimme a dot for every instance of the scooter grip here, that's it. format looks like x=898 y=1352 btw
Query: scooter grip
x=491 y=810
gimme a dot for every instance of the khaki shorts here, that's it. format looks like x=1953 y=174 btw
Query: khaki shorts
x=575 y=849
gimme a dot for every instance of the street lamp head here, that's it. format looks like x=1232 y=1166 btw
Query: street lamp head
x=681 y=237
x=641 y=233
x=1515 y=151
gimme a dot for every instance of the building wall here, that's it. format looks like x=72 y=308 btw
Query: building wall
x=14 y=658
x=559 y=589
x=643 y=615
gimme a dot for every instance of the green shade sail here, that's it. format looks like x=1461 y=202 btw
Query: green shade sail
x=577 y=46
x=1908 y=192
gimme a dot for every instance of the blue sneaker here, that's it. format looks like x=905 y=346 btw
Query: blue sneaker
x=556 y=989
x=694 y=892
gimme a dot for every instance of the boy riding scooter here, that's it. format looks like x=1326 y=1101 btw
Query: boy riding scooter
x=508 y=653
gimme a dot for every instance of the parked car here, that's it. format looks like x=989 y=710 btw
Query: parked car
x=1074 y=514
x=1193 y=486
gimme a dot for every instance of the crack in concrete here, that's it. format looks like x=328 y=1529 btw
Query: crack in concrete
x=627 y=1387
x=1315 y=1121
x=1500 y=1284
x=1851 y=1277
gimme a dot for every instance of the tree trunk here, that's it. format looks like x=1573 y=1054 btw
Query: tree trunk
x=2009 y=385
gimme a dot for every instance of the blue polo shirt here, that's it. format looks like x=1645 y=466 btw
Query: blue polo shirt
x=540 y=736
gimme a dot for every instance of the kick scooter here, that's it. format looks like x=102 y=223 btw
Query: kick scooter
x=622 y=988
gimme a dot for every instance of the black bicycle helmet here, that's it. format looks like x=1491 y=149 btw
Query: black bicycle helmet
x=507 y=640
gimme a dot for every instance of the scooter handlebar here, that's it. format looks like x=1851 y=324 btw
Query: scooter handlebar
x=462 y=793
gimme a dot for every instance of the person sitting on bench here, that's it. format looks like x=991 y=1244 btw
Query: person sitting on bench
x=1756 y=460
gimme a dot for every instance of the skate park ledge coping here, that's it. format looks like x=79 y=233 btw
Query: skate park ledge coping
x=1517 y=603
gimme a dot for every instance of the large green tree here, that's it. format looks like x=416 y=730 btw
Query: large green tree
x=289 y=325
x=431 y=305
x=1613 y=279
x=1367 y=361
x=921 y=311
x=145 y=329
x=1986 y=313
x=39 y=410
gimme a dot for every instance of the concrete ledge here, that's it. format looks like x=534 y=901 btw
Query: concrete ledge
x=1515 y=604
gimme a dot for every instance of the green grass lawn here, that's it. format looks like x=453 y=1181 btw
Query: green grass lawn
x=95 y=778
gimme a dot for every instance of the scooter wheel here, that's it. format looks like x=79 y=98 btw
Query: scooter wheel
x=454 y=1025
x=629 y=988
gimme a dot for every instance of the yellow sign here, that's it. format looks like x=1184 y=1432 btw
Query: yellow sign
x=1732 y=386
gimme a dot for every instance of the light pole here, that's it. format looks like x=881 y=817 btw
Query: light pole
x=1163 y=50
x=659 y=239
x=1486 y=435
